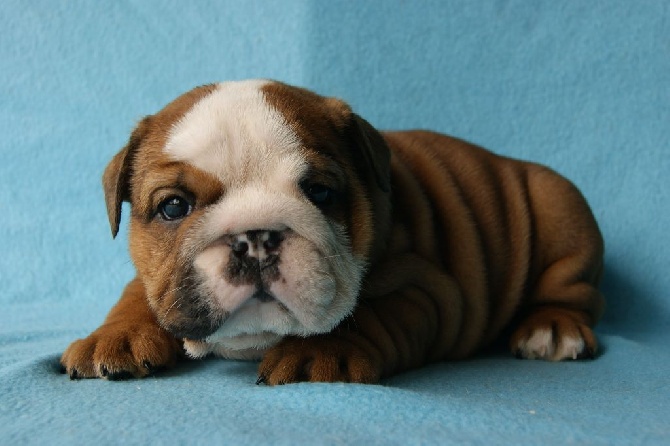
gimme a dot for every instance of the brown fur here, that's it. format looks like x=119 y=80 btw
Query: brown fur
x=478 y=241
x=463 y=246
x=130 y=343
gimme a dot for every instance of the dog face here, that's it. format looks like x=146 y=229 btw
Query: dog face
x=255 y=209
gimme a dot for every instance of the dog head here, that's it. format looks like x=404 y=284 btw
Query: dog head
x=255 y=209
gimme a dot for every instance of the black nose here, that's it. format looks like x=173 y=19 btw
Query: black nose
x=240 y=247
x=256 y=243
x=271 y=243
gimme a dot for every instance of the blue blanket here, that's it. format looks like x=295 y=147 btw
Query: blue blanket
x=581 y=86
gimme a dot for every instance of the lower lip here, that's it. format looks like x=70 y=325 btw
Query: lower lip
x=263 y=296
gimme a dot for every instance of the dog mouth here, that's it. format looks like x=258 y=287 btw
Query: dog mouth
x=249 y=324
x=262 y=295
x=199 y=325
x=259 y=297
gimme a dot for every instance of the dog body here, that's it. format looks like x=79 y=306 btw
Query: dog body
x=270 y=223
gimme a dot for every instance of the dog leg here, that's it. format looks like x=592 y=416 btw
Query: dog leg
x=563 y=308
x=564 y=303
x=365 y=347
x=130 y=343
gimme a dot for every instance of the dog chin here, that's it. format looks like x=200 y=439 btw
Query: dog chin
x=253 y=327
x=243 y=346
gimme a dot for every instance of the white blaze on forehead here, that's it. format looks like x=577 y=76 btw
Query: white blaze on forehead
x=234 y=134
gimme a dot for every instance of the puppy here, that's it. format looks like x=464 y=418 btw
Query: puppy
x=271 y=223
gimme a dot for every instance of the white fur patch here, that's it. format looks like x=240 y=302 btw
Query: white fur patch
x=542 y=345
x=234 y=134
x=569 y=348
x=539 y=346
x=233 y=348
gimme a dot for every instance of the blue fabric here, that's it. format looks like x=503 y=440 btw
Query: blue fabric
x=581 y=86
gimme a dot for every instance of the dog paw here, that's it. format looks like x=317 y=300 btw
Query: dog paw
x=554 y=335
x=317 y=359
x=121 y=351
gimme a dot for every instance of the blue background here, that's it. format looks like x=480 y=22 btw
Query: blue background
x=581 y=86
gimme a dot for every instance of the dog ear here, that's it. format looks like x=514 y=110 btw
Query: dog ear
x=370 y=151
x=373 y=150
x=117 y=175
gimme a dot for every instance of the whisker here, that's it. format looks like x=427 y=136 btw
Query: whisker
x=179 y=288
x=333 y=256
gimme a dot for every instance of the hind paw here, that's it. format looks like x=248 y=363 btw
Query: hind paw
x=554 y=335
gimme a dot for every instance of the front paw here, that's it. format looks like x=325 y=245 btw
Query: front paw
x=318 y=359
x=121 y=351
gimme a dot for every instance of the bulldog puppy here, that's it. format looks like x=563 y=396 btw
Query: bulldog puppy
x=270 y=223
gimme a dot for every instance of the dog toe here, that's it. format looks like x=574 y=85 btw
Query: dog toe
x=317 y=359
x=76 y=360
x=554 y=336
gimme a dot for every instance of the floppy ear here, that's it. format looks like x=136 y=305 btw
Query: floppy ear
x=370 y=150
x=373 y=150
x=116 y=179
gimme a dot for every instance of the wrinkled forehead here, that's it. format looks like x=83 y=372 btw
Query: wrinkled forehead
x=236 y=135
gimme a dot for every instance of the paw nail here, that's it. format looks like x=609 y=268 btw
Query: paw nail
x=103 y=370
x=74 y=375
x=260 y=380
x=149 y=366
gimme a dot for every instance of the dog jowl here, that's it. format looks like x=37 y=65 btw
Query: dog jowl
x=271 y=223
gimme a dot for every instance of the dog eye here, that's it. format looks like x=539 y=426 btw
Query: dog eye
x=319 y=194
x=174 y=208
